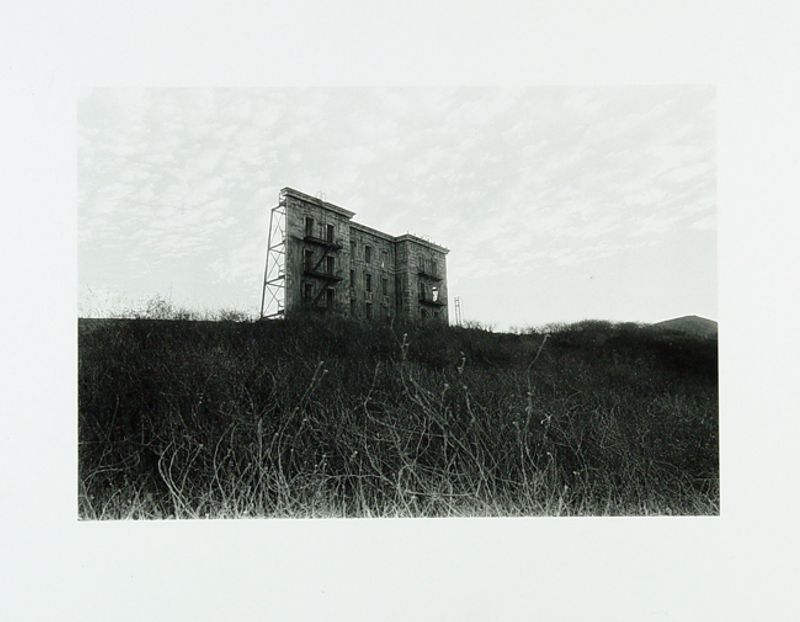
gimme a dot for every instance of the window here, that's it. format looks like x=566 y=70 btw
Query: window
x=368 y=283
x=423 y=312
x=309 y=260
x=352 y=278
x=435 y=292
x=309 y=226
x=329 y=297
x=386 y=313
x=368 y=310
x=421 y=290
x=384 y=286
x=353 y=249
x=367 y=254
x=308 y=292
x=330 y=264
x=352 y=307
x=329 y=233
x=434 y=267
x=384 y=256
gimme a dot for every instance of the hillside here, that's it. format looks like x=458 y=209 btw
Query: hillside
x=305 y=418
x=691 y=324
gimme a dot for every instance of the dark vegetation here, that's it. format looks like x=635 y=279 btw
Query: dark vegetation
x=310 y=418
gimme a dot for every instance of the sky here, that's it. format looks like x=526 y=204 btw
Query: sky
x=557 y=203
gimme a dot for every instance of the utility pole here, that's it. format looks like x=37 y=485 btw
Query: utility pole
x=459 y=318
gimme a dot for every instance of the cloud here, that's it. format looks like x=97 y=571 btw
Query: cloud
x=176 y=184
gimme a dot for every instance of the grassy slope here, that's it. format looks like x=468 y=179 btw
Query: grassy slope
x=303 y=418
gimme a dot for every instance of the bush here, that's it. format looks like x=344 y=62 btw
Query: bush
x=328 y=417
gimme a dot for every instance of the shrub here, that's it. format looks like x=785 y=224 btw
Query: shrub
x=328 y=417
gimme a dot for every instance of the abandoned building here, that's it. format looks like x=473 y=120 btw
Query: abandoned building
x=318 y=258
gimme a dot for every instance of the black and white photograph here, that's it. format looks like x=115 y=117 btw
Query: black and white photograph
x=383 y=302
x=367 y=311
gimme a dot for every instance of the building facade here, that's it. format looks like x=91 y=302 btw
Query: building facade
x=319 y=258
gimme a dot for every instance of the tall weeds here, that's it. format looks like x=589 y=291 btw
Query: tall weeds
x=305 y=418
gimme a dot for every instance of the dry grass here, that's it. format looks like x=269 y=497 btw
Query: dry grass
x=185 y=419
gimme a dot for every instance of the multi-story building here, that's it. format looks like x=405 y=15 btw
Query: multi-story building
x=318 y=258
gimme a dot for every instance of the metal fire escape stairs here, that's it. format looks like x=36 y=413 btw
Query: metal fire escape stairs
x=329 y=247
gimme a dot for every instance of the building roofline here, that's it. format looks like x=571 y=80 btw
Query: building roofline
x=371 y=231
x=319 y=202
x=408 y=237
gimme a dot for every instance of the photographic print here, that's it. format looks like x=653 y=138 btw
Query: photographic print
x=397 y=302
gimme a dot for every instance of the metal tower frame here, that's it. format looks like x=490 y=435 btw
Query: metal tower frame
x=273 y=294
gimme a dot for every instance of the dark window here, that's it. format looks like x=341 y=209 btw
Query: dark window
x=309 y=258
x=367 y=254
x=368 y=284
x=434 y=267
x=330 y=264
x=352 y=278
x=352 y=307
x=384 y=286
x=423 y=312
x=386 y=312
x=309 y=226
x=422 y=290
x=329 y=297
x=329 y=233
x=308 y=291
x=353 y=249
x=384 y=256
x=368 y=309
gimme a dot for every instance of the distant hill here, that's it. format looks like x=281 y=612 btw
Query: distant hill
x=691 y=324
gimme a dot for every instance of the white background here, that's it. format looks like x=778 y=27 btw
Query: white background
x=739 y=566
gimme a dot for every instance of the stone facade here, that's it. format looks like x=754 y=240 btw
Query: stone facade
x=336 y=265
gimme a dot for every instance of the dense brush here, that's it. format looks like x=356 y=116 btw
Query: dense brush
x=310 y=418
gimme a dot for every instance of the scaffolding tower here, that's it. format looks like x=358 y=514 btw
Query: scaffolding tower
x=273 y=294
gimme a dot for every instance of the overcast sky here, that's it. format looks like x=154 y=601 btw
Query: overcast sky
x=558 y=203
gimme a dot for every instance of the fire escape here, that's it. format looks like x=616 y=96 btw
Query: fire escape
x=323 y=269
x=429 y=279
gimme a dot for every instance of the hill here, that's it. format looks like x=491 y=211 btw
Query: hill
x=692 y=324
x=304 y=417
